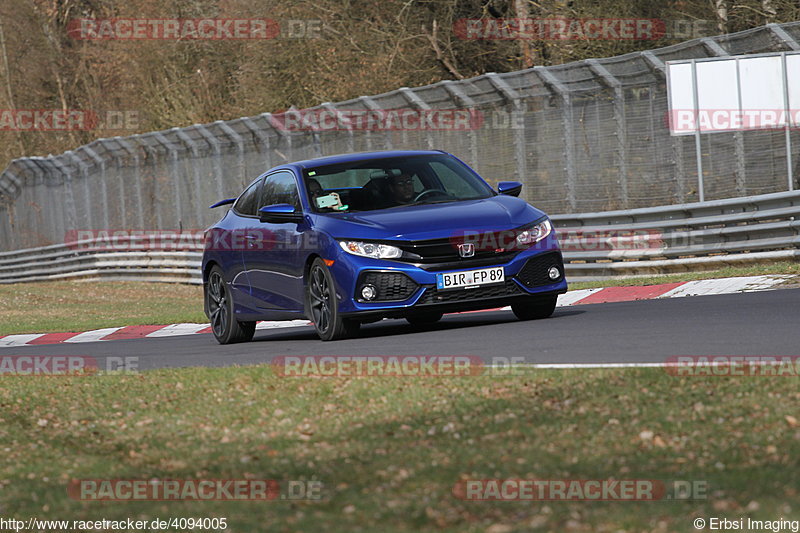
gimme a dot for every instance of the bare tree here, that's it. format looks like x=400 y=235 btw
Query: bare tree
x=721 y=9
x=526 y=51
x=769 y=11
x=440 y=56
x=7 y=76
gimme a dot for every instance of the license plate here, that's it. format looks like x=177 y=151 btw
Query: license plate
x=470 y=278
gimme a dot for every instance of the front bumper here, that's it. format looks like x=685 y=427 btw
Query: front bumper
x=408 y=289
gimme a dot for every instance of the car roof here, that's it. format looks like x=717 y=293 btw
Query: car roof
x=360 y=156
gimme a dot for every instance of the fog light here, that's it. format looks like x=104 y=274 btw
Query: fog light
x=554 y=273
x=369 y=292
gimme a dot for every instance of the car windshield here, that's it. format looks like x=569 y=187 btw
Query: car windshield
x=392 y=182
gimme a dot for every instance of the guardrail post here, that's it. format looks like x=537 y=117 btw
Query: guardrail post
x=85 y=169
x=37 y=183
x=63 y=211
x=280 y=130
x=153 y=156
x=6 y=233
x=68 y=176
x=67 y=171
x=173 y=156
x=104 y=143
x=420 y=105
x=787 y=128
x=214 y=143
x=404 y=132
x=341 y=123
x=237 y=139
x=655 y=62
x=738 y=139
x=659 y=68
x=263 y=139
x=714 y=47
x=371 y=106
x=517 y=107
x=569 y=132
x=138 y=182
x=192 y=147
x=461 y=98
x=781 y=34
x=11 y=185
x=316 y=143
x=697 y=148
x=622 y=126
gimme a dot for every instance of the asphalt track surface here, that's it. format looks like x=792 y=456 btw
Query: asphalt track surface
x=649 y=331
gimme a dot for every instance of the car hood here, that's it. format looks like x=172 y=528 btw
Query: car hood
x=433 y=221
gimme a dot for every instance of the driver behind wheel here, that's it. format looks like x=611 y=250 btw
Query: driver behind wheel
x=402 y=188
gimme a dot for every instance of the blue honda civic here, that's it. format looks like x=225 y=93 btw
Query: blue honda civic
x=351 y=239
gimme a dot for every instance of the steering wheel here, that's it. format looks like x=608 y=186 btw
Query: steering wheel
x=429 y=191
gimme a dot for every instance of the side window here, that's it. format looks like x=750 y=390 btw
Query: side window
x=247 y=202
x=280 y=188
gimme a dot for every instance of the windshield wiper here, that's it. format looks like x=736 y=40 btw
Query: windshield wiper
x=438 y=202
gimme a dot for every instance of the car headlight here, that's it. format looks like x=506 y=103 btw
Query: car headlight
x=369 y=249
x=535 y=233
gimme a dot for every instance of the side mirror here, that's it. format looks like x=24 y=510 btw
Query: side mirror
x=509 y=188
x=279 y=214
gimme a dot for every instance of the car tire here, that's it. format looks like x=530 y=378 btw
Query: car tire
x=322 y=305
x=219 y=302
x=536 y=308
x=424 y=319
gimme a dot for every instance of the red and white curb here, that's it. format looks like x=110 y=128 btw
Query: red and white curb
x=578 y=297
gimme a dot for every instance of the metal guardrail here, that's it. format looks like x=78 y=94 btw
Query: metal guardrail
x=103 y=260
x=676 y=238
x=687 y=237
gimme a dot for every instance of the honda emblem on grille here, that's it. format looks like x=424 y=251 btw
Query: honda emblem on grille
x=466 y=249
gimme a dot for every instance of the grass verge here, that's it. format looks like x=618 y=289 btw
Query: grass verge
x=388 y=451
x=81 y=306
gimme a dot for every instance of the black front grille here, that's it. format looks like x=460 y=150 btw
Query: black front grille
x=432 y=296
x=392 y=286
x=534 y=273
x=436 y=251
x=464 y=264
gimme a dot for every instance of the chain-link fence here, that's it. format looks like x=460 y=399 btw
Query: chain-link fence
x=586 y=136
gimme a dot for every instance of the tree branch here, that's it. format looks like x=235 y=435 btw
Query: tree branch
x=439 y=55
